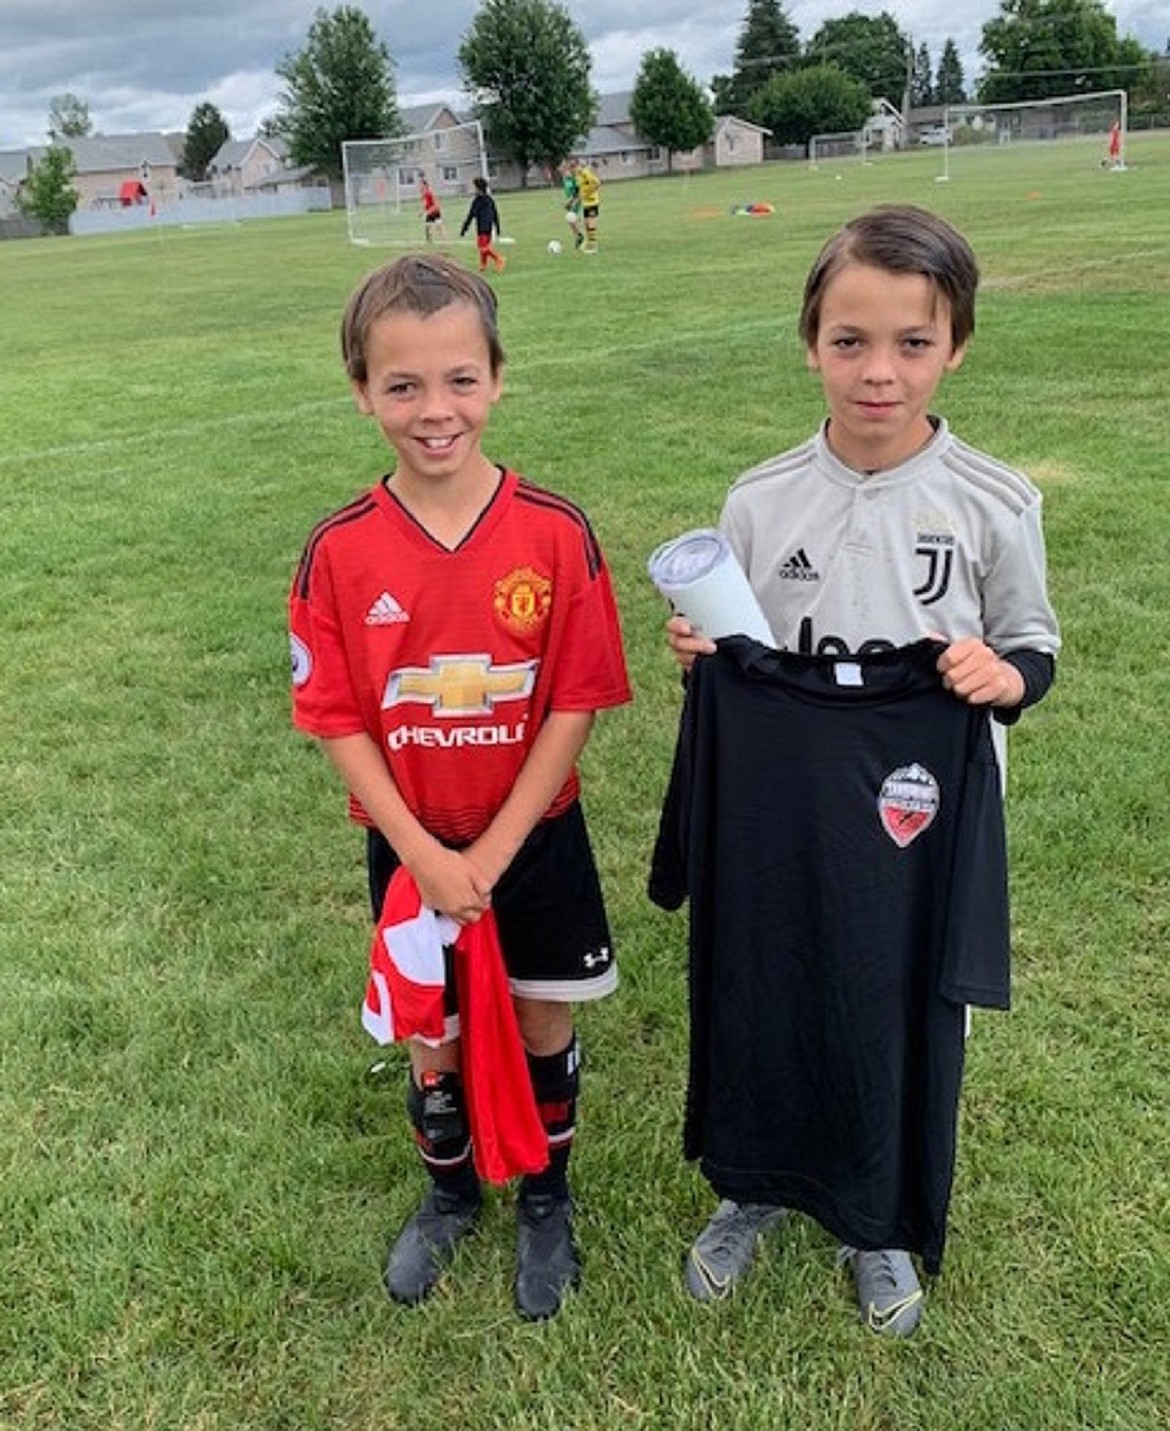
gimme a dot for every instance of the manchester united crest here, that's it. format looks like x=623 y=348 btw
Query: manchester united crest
x=907 y=803
x=522 y=599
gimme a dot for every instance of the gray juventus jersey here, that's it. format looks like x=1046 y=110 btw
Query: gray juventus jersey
x=949 y=543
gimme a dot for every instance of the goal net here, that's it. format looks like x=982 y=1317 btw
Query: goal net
x=850 y=144
x=1099 y=121
x=383 y=199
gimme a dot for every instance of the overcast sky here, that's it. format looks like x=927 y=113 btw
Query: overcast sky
x=138 y=67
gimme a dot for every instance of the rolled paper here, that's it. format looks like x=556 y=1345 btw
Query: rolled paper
x=701 y=578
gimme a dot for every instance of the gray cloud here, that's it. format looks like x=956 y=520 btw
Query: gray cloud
x=137 y=68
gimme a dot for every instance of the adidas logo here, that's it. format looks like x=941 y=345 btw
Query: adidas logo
x=385 y=612
x=799 y=568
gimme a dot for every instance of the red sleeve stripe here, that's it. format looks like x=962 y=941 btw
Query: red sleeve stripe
x=539 y=497
x=354 y=512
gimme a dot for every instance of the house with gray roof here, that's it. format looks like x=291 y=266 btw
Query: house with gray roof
x=615 y=150
x=14 y=165
x=422 y=118
x=143 y=169
x=112 y=171
x=109 y=164
x=241 y=166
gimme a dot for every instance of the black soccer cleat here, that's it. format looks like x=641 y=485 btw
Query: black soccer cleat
x=546 y=1255
x=427 y=1243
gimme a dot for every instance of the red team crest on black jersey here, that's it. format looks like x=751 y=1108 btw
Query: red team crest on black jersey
x=907 y=803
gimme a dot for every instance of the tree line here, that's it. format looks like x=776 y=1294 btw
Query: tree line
x=1034 y=49
x=525 y=66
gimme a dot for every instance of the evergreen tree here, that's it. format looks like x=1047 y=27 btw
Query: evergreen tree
x=340 y=86
x=948 y=84
x=921 y=86
x=527 y=66
x=207 y=133
x=769 y=44
x=668 y=108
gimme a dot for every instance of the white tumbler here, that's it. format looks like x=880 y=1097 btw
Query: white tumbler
x=699 y=575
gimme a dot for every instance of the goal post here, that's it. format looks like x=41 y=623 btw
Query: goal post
x=848 y=144
x=383 y=203
x=1100 y=118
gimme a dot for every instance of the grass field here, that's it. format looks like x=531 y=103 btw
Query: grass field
x=199 y=1177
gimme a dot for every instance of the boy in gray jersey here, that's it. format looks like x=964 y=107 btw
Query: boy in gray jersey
x=881 y=529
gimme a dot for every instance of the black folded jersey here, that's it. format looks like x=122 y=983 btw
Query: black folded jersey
x=837 y=827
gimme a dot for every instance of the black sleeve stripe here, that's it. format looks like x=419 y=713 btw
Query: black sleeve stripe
x=540 y=497
x=362 y=507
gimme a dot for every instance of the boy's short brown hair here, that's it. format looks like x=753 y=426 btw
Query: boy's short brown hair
x=418 y=283
x=898 y=238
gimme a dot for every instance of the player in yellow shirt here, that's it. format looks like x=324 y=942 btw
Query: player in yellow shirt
x=589 y=189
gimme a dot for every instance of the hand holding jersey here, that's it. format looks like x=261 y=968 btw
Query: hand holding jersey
x=449 y=881
x=971 y=670
x=954 y=534
x=685 y=642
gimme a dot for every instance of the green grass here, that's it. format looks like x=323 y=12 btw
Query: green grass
x=200 y=1180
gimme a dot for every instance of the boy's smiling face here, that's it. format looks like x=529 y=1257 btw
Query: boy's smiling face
x=431 y=387
x=883 y=345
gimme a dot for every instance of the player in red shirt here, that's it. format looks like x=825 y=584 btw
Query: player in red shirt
x=432 y=211
x=453 y=633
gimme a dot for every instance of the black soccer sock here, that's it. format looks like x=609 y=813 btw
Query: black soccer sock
x=555 y=1081
x=438 y=1114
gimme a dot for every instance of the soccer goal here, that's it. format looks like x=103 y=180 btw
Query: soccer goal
x=383 y=203
x=1099 y=121
x=828 y=148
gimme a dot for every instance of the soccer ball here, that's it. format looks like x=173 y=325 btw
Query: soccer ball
x=554 y=246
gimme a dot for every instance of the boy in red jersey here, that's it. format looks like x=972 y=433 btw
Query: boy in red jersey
x=453 y=633
x=432 y=210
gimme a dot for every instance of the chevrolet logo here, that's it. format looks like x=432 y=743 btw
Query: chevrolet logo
x=460 y=685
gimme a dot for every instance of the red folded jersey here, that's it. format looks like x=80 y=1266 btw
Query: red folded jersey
x=404 y=999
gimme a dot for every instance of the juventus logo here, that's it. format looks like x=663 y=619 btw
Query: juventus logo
x=939 y=554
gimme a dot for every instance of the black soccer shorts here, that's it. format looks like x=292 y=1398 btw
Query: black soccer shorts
x=549 y=911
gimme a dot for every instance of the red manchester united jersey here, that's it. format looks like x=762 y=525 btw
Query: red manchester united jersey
x=452 y=660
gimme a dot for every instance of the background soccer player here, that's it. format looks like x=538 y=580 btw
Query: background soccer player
x=484 y=214
x=433 y=221
x=589 y=191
